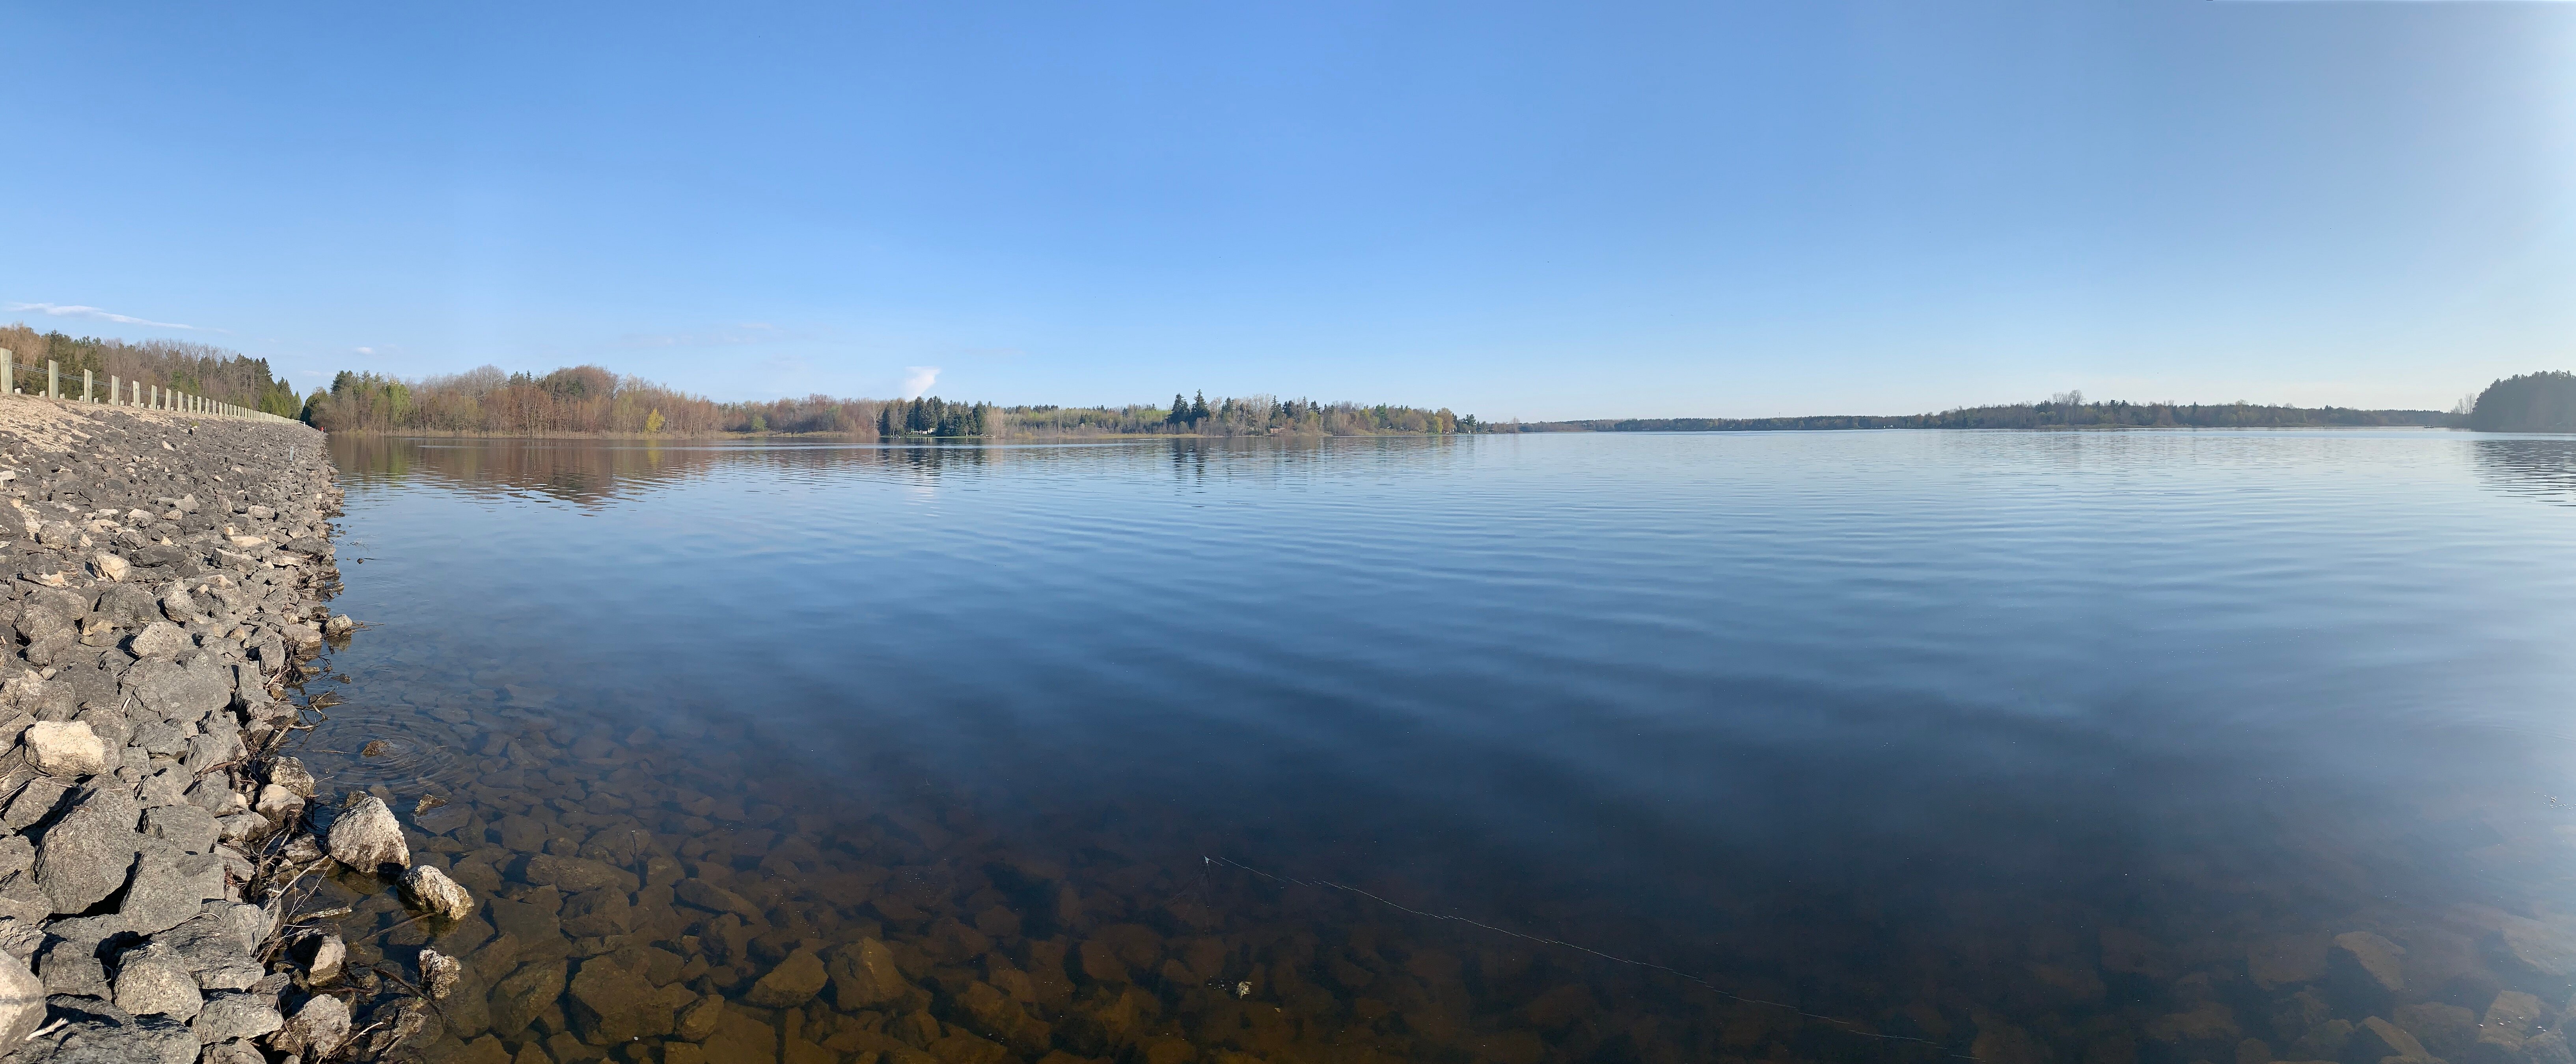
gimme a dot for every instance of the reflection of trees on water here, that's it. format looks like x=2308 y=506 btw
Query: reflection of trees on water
x=592 y=472
x=2542 y=470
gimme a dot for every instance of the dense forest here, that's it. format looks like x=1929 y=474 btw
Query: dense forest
x=2533 y=402
x=589 y=399
x=196 y=369
x=2068 y=410
x=1257 y=415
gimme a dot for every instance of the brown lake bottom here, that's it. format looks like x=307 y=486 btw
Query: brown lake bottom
x=2016 y=748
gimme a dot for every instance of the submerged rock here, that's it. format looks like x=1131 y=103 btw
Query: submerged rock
x=794 y=982
x=429 y=890
x=2372 y=955
x=438 y=974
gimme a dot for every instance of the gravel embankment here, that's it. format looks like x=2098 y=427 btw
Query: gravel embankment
x=165 y=577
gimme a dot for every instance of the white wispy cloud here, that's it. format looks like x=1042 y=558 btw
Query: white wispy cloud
x=74 y=310
x=918 y=379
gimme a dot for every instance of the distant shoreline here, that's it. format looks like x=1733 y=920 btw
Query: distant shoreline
x=2070 y=413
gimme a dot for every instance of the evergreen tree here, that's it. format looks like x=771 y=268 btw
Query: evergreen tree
x=1198 y=408
x=2533 y=402
x=885 y=421
x=1180 y=410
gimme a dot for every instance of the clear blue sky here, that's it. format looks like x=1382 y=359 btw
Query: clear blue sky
x=1510 y=210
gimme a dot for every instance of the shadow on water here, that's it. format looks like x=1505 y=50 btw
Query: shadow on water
x=1844 y=747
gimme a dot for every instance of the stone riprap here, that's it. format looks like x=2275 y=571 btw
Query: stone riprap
x=165 y=581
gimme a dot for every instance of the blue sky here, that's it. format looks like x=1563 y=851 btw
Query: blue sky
x=1511 y=210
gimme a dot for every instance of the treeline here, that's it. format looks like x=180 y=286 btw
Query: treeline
x=196 y=369
x=1255 y=415
x=2066 y=411
x=582 y=399
x=589 y=399
x=2533 y=402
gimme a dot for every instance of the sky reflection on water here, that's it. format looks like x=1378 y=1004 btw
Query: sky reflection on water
x=1996 y=740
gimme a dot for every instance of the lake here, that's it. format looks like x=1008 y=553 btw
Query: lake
x=2105 y=747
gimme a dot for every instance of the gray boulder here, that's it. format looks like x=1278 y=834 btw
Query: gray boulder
x=35 y=801
x=291 y=774
x=176 y=692
x=180 y=606
x=152 y=981
x=159 y=641
x=231 y=1016
x=113 y=727
x=22 y=1001
x=100 y=1033
x=157 y=736
x=191 y=829
x=216 y=795
x=71 y=970
x=220 y=947
x=22 y=899
x=170 y=886
x=319 y=1026
x=85 y=856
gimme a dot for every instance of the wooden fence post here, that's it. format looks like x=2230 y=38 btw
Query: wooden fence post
x=53 y=379
x=85 y=381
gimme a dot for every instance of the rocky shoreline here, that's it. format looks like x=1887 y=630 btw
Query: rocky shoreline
x=165 y=577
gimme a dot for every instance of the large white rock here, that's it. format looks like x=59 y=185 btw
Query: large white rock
x=68 y=749
x=366 y=836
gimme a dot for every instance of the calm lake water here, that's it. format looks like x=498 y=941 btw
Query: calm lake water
x=1904 y=746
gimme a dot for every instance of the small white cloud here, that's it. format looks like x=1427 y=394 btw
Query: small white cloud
x=68 y=310
x=363 y=350
x=918 y=379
